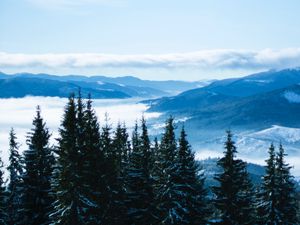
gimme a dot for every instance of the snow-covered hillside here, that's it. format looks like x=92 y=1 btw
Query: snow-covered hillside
x=258 y=142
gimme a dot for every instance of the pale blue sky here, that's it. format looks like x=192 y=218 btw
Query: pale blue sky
x=139 y=28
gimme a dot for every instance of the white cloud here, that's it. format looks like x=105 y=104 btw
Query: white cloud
x=208 y=60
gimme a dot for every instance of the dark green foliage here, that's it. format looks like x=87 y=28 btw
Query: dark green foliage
x=67 y=210
x=278 y=198
x=140 y=193
x=101 y=177
x=37 y=199
x=15 y=171
x=3 y=198
x=115 y=209
x=180 y=191
x=287 y=196
x=170 y=210
x=190 y=185
x=268 y=193
x=234 y=194
x=93 y=168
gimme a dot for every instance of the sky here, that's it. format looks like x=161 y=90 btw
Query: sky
x=157 y=40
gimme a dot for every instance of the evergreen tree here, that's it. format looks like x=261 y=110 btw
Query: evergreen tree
x=3 y=197
x=154 y=160
x=85 y=120
x=67 y=184
x=139 y=182
x=37 y=199
x=15 y=171
x=170 y=209
x=115 y=211
x=234 y=194
x=268 y=195
x=192 y=195
x=287 y=204
x=93 y=168
x=121 y=149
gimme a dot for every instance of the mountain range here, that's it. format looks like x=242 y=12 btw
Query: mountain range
x=248 y=105
x=260 y=108
x=100 y=87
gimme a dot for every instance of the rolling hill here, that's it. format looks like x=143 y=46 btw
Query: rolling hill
x=99 y=86
x=247 y=105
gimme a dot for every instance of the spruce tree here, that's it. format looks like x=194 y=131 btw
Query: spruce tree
x=67 y=185
x=15 y=171
x=154 y=160
x=234 y=194
x=170 y=209
x=121 y=150
x=93 y=168
x=190 y=185
x=115 y=211
x=287 y=204
x=37 y=198
x=140 y=193
x=3 y=197
x=268 y=194
x=87 y=202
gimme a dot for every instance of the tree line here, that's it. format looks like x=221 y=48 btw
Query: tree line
x=99 y=175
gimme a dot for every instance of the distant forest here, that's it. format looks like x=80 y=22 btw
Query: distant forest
x=100 y=175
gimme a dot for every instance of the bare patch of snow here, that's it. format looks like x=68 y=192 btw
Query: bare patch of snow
x=181 y=120
x=259 y=81
x=278 y=133
x=292 y=97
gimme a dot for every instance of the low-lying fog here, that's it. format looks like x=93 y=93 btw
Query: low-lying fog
x=18 y=113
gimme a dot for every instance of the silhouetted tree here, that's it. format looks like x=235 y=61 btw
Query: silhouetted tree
x=67 y=185
x=15 y=171
x=140 y=194
x=3 y=198
x=37 y=198
x=234 y=193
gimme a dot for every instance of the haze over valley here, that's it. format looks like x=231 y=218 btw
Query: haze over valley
x=259 y=109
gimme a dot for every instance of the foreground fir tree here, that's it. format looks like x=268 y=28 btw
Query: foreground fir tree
x=121 y=151
x=140 y=193
x=87 y=204
x=287 y=195
x=268 y=195
x=67 y=183
x=168 y=199
x=115 y=209
x=286 y=204
x=15 y=171
x=234 y=194
x=3 y=197
x=192 y=195
x=37 y=198
x=93 y=168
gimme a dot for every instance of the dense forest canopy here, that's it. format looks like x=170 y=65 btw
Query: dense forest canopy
x=100 y=175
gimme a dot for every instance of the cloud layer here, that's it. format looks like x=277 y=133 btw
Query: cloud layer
x=209 y=59
x=19 y=112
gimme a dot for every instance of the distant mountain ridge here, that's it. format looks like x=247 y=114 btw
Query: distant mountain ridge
x=21 y=87
x=249 y=104
x=22 y=84
x=242 y=101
